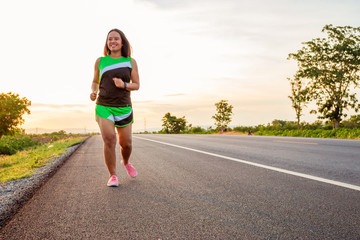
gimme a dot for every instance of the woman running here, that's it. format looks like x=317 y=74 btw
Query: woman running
x=115 y=75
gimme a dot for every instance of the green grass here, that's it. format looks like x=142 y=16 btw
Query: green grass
x=316 y=133
x=23 y=164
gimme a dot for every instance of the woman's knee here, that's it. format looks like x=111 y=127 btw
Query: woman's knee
x=126 y=145
x=110 y=140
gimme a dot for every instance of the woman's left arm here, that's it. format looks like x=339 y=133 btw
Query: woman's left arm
x=135 y=82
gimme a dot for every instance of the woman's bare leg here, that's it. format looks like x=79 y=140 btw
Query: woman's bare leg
x=125 y=141
x=108 y=134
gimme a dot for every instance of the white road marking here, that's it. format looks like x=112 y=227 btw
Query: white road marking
x=319 y=179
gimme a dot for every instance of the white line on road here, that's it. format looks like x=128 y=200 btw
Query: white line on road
x=319 y=179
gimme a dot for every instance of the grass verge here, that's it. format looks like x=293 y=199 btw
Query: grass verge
x=317 y=133
x=25 y=163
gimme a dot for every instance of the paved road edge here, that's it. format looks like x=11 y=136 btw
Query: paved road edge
x=18 y=192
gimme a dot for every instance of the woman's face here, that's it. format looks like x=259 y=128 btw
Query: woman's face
x=114 y=41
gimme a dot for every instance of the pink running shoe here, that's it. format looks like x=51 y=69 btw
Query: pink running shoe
x=113 y=181
x=131 y=170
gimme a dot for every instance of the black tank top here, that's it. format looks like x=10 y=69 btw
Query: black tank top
x=109 y=94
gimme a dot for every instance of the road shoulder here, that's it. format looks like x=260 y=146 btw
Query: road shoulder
x=14 y=194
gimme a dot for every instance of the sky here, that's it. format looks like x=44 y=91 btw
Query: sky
x=190 y=55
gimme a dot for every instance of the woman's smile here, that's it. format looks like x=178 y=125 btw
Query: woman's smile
x=114 y=41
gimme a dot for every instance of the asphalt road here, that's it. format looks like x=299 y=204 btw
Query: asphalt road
x=202 y=187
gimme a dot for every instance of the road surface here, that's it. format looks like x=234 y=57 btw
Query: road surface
x=202 y=187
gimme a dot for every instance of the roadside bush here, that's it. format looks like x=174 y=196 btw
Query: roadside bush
x=243 y=129
x=197 y=130
x=247 y=129
x=11 y=145
x=6 y=149
x=282 y=124
x=352 y=122
x=317 y=133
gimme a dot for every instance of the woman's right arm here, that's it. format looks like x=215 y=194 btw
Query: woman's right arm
x=95 y=82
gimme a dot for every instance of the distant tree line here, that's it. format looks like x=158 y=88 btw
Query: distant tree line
x=348 y=129
x=352 y=123
x=173 y=125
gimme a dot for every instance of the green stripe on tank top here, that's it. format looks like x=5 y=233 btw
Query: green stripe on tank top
x=109 y=63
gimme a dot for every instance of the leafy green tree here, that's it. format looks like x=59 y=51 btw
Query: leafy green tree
x=223 y=115
x=299 y=97
x=12 y=108
x=331 y=65
x=172 y=124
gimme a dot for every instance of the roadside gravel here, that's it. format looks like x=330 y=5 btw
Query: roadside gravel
x=14 y=194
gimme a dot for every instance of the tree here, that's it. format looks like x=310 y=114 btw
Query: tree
x=223 y=115
x=332 y=67
x=298 y=98
x=172 y=124
x=12 y=108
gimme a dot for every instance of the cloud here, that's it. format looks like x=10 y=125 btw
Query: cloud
x=57 y=106
x=175 y=95
x=166 y=4
x=141 y=102
x=191 y=54
x=52 y=116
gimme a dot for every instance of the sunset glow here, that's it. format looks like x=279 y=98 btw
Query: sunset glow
x=190 y=54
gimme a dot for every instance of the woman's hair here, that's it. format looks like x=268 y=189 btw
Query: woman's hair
x=126 y=47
